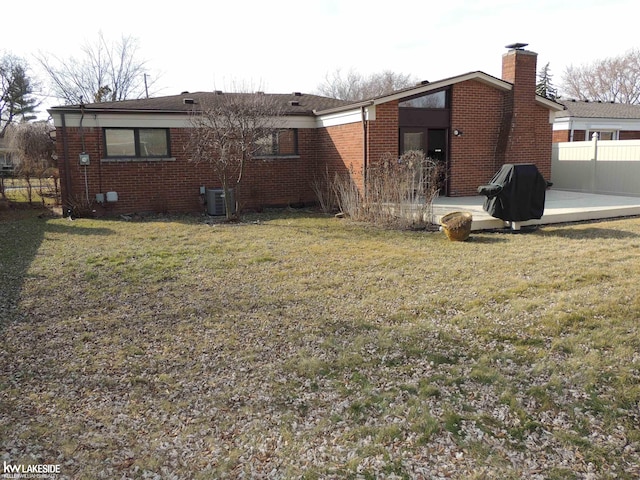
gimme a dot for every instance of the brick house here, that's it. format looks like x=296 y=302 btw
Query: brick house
x=473 y=123
x=611 y=121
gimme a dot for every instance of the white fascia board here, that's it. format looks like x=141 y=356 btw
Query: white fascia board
x=563 y=123
x=155 y=120
x=342 y=118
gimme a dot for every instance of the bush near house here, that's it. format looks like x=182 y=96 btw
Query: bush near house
x=297 y=345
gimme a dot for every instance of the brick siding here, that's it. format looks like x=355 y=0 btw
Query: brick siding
x=174 y=186
x=476 y=111
x=341 y=151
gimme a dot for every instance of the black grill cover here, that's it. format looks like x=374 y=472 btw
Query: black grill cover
x=516 y=193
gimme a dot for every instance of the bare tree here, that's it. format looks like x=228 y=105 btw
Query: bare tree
x=34 y=149
x=615 y=79
x=17 y=101
x=107 y=71
x=354 y=86
x=228 y=130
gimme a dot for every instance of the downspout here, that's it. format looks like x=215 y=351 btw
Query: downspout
x=65 y=155
x=571 y=130
x=86 y=180
x=365 y=159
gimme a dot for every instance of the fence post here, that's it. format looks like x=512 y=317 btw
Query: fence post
x=594 y=170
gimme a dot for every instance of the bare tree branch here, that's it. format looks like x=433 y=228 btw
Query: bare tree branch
x=355 y=87
x=615 y=79
x=107 y=71
x=226 y=132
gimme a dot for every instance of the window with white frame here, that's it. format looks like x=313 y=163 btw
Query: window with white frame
x=137 y=142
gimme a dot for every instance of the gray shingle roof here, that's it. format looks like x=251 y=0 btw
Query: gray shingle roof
x=292 y=104
x=580 y=109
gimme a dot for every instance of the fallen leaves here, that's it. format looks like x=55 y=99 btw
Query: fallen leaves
x=299 y=346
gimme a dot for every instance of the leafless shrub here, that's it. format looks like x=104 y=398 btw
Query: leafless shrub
x=399 y=192
x=323 y=187
x=347 y=196
x=79 y=206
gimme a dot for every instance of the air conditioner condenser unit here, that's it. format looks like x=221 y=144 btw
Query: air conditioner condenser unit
x=216 y=203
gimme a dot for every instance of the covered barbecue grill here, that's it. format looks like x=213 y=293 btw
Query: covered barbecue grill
x=515 y=194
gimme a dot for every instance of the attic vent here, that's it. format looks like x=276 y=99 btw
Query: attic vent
x=259 y=93
x=294 y=103
x=297 y=94
x=424 y=82
x=218 y=92
x=185 y=92
x=188 y=101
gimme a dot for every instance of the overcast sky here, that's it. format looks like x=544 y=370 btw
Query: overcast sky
x=285 y=45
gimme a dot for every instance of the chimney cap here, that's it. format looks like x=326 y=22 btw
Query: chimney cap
x=516 y=46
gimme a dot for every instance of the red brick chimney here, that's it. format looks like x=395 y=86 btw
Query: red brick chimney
x=519 y=142
x=519 y=67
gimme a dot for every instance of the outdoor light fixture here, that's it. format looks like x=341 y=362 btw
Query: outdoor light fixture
x=457 y=132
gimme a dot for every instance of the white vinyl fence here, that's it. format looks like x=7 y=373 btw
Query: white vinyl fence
x=598 y=166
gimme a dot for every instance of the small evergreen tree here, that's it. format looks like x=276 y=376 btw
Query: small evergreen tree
x=545 y=86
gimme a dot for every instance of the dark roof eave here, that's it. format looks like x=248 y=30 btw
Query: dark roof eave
x=344 y=108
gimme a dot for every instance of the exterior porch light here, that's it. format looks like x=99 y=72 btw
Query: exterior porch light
x=457 y=133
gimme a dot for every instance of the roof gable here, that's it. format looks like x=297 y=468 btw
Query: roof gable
x=427 y=87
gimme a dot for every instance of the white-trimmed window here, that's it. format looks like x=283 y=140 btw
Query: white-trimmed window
x=136 y=142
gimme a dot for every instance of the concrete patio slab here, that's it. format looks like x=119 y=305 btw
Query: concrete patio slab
x=560 y=207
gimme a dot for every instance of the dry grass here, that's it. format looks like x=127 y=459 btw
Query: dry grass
x=300 y=346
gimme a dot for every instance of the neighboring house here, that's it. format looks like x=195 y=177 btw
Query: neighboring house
x=6 y=161
x=472 y=123
x=611 y=121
